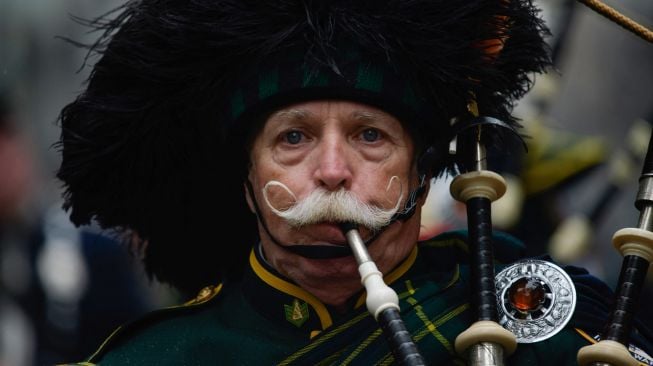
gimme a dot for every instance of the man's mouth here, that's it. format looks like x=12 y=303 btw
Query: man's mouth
x=327 y=241
x=321 y=250
x=328 y=234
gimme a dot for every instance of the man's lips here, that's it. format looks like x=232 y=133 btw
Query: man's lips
x=323 y=241
x=327 y=234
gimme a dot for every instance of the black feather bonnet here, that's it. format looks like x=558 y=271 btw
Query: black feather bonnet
x=155 y=145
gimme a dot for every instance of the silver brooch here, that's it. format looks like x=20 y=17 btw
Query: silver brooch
x=536 y=299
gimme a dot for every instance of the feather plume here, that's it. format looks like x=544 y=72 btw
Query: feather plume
x=143 y=146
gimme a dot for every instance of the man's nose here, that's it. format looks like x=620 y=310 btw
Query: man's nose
x=334 y=165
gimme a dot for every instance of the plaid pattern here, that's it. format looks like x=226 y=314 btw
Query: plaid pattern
x=358 y=78
x=243 y=324
x=435 y=316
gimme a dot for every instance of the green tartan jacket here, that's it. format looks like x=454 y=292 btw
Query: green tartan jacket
x=264 y=319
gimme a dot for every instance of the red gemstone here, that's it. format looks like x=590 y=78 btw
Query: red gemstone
x=526 y=294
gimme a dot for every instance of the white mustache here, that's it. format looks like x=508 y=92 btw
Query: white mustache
x=332 y=206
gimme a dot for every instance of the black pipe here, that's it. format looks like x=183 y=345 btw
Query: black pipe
x=402 y=346
x=479 y=219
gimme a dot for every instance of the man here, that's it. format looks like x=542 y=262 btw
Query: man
x=230 y=140
x=328 y=154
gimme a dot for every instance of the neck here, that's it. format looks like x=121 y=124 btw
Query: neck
x=337 y=282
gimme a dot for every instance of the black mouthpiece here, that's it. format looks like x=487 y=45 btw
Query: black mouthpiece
x=346 y=226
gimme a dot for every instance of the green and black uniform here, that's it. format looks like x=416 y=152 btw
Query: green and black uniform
x=267 y=320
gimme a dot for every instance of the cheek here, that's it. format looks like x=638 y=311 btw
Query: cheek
x=395 y=189
x=280 y=197
x=282 y=187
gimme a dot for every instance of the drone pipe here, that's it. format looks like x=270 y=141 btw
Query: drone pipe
x=485 y=343
x=636 y=245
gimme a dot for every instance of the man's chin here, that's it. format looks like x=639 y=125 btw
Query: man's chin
x=331 y=269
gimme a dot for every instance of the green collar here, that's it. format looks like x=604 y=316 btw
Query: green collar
x=283 y=302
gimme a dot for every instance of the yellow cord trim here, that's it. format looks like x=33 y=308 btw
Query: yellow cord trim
x=456 y=242
x=592 y=341
x=388 y=359
x=409 y=286
x=456 y=276
x=106 y=341
x=206 y=294
x=372 y=337
x=430 y=327
x=455 y=312
x=585 y=335
x=323 y=339
x=290 y=289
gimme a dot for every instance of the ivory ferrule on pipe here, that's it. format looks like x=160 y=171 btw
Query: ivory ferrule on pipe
x=379 y=295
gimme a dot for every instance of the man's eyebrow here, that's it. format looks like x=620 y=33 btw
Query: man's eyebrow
x=292 y=114
x=366 y=116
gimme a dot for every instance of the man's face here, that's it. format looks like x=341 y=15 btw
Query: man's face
x=333 y=146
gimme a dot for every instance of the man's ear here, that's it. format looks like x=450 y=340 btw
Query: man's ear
x=429 y=181
x=248 y=197
x=425 y=163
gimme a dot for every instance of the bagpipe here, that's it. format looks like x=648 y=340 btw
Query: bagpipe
x=529 y=300
x=634 y=244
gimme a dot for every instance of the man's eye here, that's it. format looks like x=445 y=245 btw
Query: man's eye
x=371 y=135
x=293 y=137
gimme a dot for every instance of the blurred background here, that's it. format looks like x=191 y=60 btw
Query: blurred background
x=64 y=289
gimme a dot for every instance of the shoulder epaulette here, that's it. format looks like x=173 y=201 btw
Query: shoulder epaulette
x=204 y=296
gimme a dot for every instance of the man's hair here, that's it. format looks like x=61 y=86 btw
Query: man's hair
x=156 y=143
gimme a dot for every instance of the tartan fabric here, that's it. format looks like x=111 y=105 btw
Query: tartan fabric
x=244 y=324
x=287 y=80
